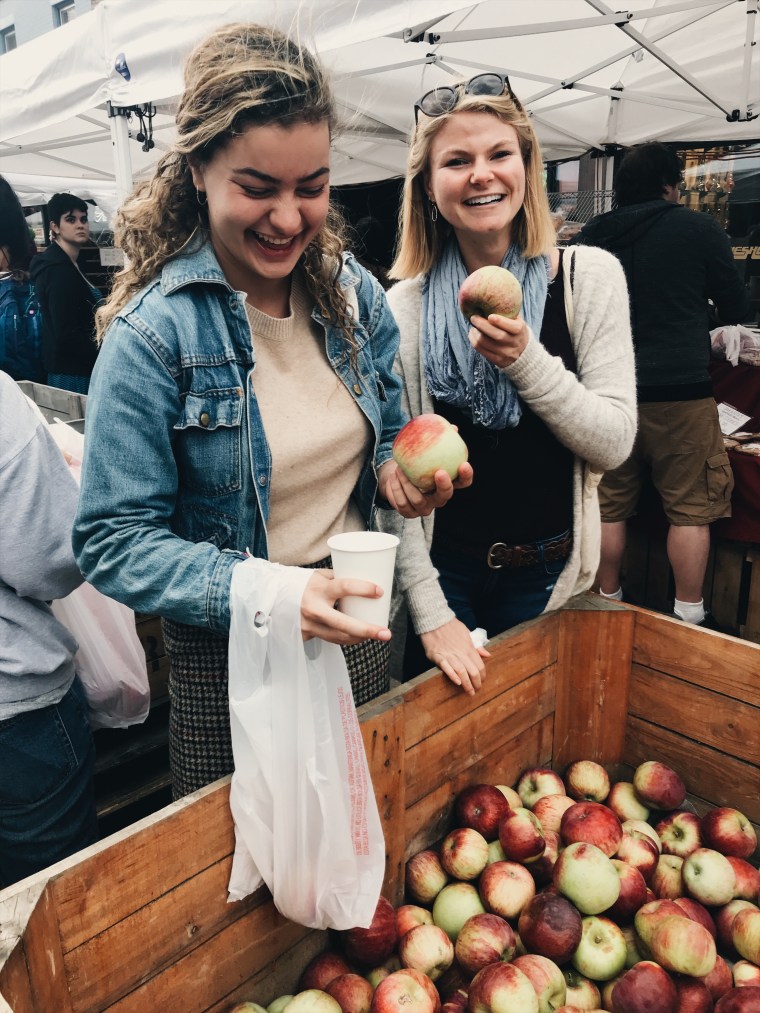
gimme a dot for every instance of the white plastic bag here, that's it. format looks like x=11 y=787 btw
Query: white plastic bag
x=110 y=661
x=733 y=340
x=306 y=819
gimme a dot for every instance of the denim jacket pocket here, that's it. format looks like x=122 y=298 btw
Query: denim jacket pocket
x=209 y=441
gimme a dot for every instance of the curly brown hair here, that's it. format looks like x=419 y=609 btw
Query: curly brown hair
x=242 y=75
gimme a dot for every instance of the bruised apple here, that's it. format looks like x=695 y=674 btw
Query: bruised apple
x=489 y=290
x=426 y=444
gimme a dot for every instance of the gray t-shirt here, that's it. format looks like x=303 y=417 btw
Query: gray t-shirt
x=38 y=499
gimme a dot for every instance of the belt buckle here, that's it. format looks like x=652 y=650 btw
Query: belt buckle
x=497 y=548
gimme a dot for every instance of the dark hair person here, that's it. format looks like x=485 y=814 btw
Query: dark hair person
x=244 y=398
x=20 y=319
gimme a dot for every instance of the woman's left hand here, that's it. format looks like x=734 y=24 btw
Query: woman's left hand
x=410 y=501
x=499 y=339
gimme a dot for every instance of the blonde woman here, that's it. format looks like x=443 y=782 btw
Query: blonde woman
x=545 y=402
x=244 y=398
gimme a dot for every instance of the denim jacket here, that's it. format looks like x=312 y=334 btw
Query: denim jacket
x=177 y=469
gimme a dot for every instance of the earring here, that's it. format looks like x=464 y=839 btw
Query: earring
x=433 y=211
x=198 y=193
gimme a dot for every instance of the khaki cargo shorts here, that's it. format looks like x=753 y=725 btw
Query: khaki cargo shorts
x=681 y=444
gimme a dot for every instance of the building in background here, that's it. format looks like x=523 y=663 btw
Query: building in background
x=23 y=20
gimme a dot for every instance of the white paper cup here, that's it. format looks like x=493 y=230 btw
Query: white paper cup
x=366 y=555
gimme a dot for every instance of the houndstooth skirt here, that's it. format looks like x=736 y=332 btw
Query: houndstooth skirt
x=200 y=746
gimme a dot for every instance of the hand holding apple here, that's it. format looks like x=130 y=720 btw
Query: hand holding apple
x=427 y=444
x=488 y=290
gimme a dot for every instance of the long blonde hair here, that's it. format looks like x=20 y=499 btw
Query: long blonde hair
x=421 y=240
x=242 y=75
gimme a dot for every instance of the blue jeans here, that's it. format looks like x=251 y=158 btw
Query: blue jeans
x=47 y=798
x=494 y=600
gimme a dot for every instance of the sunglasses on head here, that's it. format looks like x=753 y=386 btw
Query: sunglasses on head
x=443 y=99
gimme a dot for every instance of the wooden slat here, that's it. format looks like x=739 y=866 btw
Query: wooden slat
x=594 y=661
x=444 y=755
x=430 y=818
x=712 y=718
x=383 y=735
x=432 y=702
x=711 y=660
x=15 y=987
x=120 y=875
x=712 y=775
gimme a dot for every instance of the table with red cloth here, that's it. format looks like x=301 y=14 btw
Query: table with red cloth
x=739 y=386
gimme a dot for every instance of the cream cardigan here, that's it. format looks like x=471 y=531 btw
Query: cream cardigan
x=593 y=414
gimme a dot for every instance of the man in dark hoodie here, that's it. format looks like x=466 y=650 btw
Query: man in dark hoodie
x=67 y=299
x=675 y=260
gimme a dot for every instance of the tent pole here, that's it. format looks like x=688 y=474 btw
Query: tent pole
x=122 y=159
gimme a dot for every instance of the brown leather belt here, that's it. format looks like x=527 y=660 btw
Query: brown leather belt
x=501 y=556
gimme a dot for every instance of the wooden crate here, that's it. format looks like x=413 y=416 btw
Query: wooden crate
x=54 y=402
x=140 y=921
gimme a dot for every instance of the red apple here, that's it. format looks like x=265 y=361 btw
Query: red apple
x=747 y=879
x=521 y=836
x=681 y=945
x=456 y=1003
x=454 y=905
x=581 y=992
x=501 y=988
x=728 y=831
x=490 y=289
x=481 y=807
x=640 y=828
x=708 y=877
x=505 y=888
x=464 y=853
x=425 y=876
x=646 y=987
x=648 y=916
x=719 y=980
x=426 y=444
x=587 y=877
x=724 y=921
x=587 y=780
x=658 y=786
x=510 y=795
x=639 y=852
x=745 y=934
x=426 y=948
x=666 y=879
x=550 y=925
x=408 y=916
x=321 y=970
x=400 y=992
x=427 y=984
x=372 y=945
x=692 y=996
x=353 y=993
x=549 y=809
x=536 y=782
x=623 y=802
x=633 y=955
x=482 y=940
x=679 y=832
x=547 y=980
x=542 y=869
x=632 y=896
x=745 y=973
x=698 y=913
x=591 y=823
x=740 y=1000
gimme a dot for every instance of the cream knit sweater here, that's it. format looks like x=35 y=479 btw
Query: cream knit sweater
x=593 y=414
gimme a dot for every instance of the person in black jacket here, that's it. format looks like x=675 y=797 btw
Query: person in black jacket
x=675 y=260
x=67 y=299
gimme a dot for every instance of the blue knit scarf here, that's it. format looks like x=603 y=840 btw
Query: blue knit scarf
x=455 y=373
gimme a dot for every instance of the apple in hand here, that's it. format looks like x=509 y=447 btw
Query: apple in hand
x=505 y=888
x=587 y=781
x=501 y=988
x=536 y=782
x=682 y=945
x=647 y=986
x=454 y=905
x=550 y=925
x=547 y=980
x=464 y=853
x=601 y=952
x=426 y=444
x=372 y=945
x=352 y=992
x=728 y=831
x=679 y=833
x=426 y=948
x=425 y=876
x=587 y=877
x=658 y=786
x=483 y=940
x=490 y=289
x=481 y=807
x=592 y=823
x=708 y=877
x=622 y=800
x=521 y=836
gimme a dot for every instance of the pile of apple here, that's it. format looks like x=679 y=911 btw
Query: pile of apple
x=560 y=894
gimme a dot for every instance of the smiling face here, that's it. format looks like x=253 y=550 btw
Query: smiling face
x=476 y=176
x=268 y=196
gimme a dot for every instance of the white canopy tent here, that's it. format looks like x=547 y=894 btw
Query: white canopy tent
x=675 y=70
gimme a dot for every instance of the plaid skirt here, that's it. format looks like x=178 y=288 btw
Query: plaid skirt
x=200 y=745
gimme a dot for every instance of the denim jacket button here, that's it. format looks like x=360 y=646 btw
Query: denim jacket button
x=262 y=480
x=357 y=388
x=204 y=419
